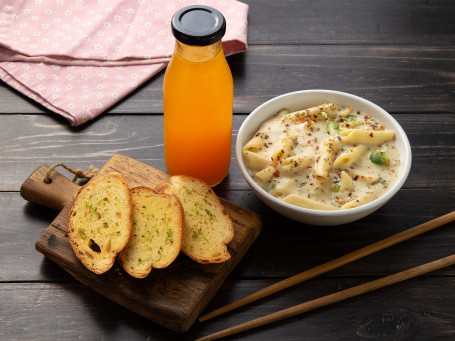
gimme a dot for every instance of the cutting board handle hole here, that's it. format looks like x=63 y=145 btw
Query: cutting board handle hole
x=47 y=181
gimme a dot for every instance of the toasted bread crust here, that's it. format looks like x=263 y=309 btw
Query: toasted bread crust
x=208 y=228
x=100 y=221
x=157 y=232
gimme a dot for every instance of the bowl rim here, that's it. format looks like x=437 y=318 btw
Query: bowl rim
x=406 y=159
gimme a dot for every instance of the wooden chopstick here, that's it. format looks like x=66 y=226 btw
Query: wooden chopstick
x=333 y=264
x=333 y=298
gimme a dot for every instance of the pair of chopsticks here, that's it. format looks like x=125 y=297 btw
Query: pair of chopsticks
x=341 y=295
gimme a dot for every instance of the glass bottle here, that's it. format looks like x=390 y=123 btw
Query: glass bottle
x=198 y=97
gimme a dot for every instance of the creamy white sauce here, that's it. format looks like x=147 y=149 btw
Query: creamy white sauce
x=307 y=159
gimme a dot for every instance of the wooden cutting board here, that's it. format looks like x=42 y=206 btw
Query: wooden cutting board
x=172 y=297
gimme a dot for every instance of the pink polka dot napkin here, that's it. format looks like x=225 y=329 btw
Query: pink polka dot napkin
x=79 y=57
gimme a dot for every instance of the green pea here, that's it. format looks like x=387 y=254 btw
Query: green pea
x=379 y=158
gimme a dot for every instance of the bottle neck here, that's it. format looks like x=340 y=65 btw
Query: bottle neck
x=198 y=54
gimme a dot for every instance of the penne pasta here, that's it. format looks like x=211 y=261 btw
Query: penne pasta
x=282 y=188
x=346 y=182
x=255 y=143
x=325 y=157
x=328 y=149
x=349 y=156
x=282 y=149
x=345 y=112
x=283 y=112
x=351 y=204
x=266 y=173
x=363 y=176
x=256 y=161
x=363 y=136
x=360 y=201
x=295 y=163
x=318 y=113
x=298 y=200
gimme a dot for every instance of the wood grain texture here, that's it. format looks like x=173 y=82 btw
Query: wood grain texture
x=300 y=246
x=400 y=78
x=172 y=297
x=48 y=188
x=396 y=53
x=33 y=140
x=330 y=299
x=337 y=263
x=288 y=22
x=416 y=311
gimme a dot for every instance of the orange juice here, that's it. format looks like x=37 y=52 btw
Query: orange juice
x=197 y=97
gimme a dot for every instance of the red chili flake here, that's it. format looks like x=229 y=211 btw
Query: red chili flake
x=276 y=174
x=355 y=178
x=265 y=145
x=317 y=147
x=266 y=137
x=309 y=134
x=310 y=167
x=371 y=134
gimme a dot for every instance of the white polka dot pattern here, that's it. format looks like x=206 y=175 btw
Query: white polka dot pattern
x=79 y=57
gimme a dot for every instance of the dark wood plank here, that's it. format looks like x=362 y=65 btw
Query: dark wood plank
x=283 y=248
x=286 y=248
x=419 y=309
x=31 y=141
x=396 y=53
x=351 y=22
x=396 y=312
x=21 y=225
x=399 y=78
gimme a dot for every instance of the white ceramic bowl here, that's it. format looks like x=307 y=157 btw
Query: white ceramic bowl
x=306 y=99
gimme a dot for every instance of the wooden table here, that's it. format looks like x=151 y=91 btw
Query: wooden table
x=399 y=54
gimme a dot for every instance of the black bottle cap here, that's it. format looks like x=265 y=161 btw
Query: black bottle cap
x=198 y=25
